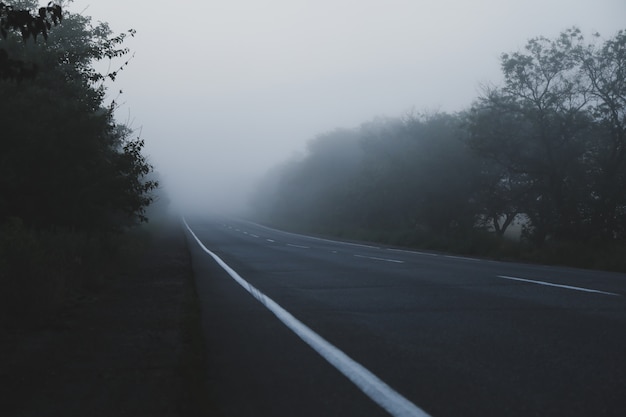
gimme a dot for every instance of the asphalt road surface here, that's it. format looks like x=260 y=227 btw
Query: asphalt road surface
x=302 y=326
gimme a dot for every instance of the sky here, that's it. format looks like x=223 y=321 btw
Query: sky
x=221 y=91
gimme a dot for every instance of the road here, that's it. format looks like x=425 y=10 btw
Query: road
x=424 y=333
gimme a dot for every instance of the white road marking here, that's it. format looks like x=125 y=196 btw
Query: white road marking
x=550 y=284
x=412 y=251
x=298 y=246
x=314 y=238
x=380 y=259
x=270 y=240
x=372 y=386
x=255 y=236
x=462 y=258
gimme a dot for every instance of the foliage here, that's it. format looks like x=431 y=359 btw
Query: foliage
x=546 y=150
x=26 y=23
x=389 y=174
x=71 y=177
x=75 y=167
x=556 y=132
x=30 y=26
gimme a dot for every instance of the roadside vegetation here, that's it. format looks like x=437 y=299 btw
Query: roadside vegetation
x=82 y=273
x=534 y=170
x=73 y=181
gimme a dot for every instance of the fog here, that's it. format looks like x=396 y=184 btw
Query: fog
x=223 y=91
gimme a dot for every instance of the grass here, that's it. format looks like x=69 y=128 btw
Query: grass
x=40 y=270
x=142 y=279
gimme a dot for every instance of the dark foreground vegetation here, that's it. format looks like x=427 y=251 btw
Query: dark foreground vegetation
x=131 y=347
x=535 y=169
x=72 y=179
x=98 y=315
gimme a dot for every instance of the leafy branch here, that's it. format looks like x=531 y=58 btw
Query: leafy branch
x=28 y=25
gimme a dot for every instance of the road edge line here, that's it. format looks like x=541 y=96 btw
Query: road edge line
x=372 y=386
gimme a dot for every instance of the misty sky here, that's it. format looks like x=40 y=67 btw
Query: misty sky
x=223 y=90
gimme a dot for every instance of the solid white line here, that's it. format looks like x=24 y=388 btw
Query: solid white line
x=380 y=259
x=377 y=390
x=549 y=284
x=298 y=246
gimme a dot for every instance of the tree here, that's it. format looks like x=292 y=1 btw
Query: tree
x=557 y=130
x=29 y=26
x=389 y=176
x=605 y=69
x=511 y=168
x=75 y=167
x=420 y=174
x=537 y=128
x=545 y=85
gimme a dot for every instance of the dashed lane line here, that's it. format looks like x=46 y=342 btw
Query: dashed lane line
x=464 y=258
x=413 y=252
x=298 y=246
x=380 y=259
x=550 y=284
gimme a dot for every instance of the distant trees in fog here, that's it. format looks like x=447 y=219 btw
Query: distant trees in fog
x=391 y=174
x=548 y=146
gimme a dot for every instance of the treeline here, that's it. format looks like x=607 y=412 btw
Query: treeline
x=546 y=152
x=71 y=177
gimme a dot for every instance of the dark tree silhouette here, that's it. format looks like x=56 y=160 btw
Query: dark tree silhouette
x=29 y=26
x=75 y=167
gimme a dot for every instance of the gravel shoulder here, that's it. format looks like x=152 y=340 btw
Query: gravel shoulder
x=133 y=348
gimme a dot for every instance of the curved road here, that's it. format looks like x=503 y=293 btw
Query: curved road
x=432 y=334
